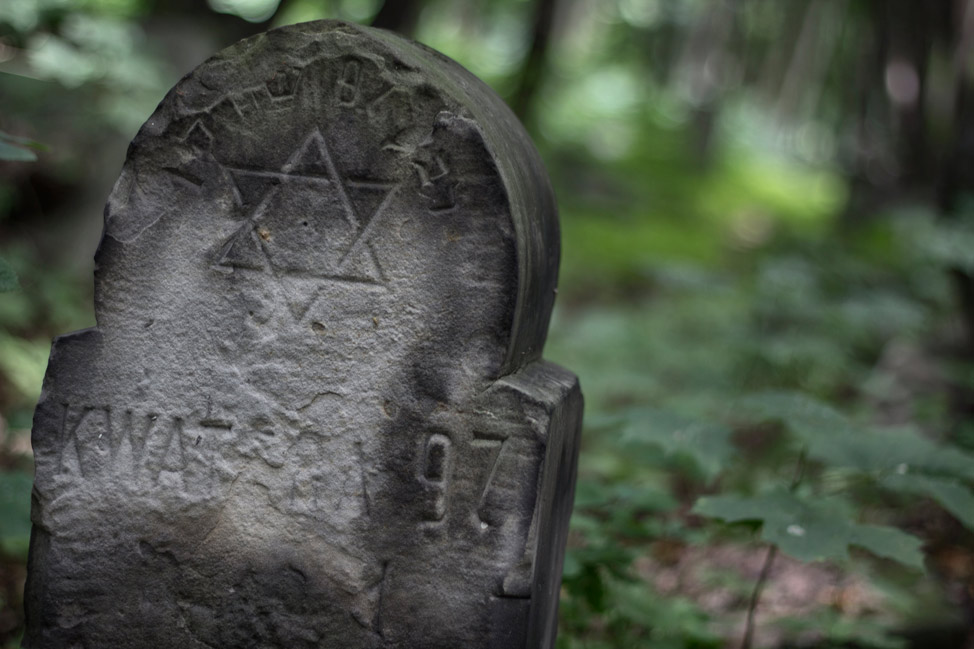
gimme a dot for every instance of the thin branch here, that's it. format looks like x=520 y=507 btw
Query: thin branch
x=768 y=563
x=756 y=596
x=799 y=469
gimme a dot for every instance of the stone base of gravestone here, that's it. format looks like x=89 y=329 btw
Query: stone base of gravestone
x=314 y=412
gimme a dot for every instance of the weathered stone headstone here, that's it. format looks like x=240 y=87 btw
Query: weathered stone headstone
x=314 y=411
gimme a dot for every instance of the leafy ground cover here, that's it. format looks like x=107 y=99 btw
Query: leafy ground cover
x=772 y=445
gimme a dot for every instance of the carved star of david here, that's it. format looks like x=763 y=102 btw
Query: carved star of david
x=305 y=224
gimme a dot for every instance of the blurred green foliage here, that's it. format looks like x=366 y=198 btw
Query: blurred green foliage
x=708 y=388
x=768 y=361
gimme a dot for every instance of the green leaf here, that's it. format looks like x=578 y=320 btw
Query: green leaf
x=667 y=616
x=17 y=148
x=55 y=58
x=572 y=567
x=949 y=243
x=839 y=629
x=22 y=141
x=811 y=530
x=803 y=415
x=596 y=495
x=15 y=488
x=8 y=278
x=254 y=11
x=706 y=444
x=22 y=364
x=889 y=542
x=952 y=495
x=890 y=450
x=831 y=438
x=804 y=531
x=15 y=153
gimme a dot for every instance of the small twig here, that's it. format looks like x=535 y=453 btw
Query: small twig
x=756 y=596
x=799 y=470
x=768 y=564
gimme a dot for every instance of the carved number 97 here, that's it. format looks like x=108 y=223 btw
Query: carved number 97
x=437 y=467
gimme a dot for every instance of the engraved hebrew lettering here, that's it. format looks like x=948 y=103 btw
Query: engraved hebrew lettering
x=435 y=181
x=282 y=85
x=348 y=83
x=375 y=104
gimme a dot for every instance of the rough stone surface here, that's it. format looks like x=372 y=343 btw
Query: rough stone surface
x=314 y=411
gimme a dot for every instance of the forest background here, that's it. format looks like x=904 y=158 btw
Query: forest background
x=767 y=285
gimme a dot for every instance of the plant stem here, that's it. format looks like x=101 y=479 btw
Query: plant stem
x=756 y=596
x=768 y=564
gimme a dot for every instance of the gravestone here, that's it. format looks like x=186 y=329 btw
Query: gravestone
x=314 y=411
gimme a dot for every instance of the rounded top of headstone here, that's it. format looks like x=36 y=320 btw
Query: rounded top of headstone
x=327 y=172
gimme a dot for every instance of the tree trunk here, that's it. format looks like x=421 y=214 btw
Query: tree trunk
x=399 y=16
x=534 y=63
